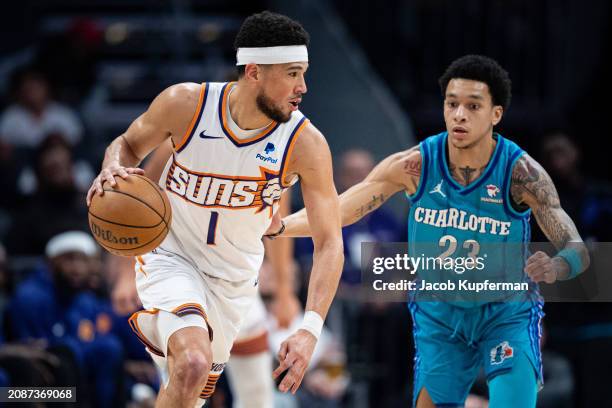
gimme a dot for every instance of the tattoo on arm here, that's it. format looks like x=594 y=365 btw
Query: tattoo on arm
x=558 y=230
x=371 y=205
x=413 y=167
x=531 y=185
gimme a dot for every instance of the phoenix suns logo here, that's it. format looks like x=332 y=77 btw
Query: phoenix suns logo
x=222 y=191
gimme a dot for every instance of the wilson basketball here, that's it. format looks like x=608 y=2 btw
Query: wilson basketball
x=132 y=218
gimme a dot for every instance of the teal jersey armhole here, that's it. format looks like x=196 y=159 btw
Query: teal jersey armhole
x=424 y=149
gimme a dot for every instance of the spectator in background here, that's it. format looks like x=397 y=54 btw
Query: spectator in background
x=53 y=308
x=34 y=115
x=582 y=332
x=56 y=206
x=587 y=201
x=378 y=226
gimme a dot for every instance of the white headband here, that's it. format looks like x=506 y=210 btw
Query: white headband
x=272 y=55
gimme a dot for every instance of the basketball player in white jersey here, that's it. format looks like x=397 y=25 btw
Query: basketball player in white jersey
x=237 y=146
x=249 y=368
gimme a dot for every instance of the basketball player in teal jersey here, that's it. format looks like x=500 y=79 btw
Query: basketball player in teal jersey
x=471 y=184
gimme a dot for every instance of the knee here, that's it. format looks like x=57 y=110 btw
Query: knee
x=191 y=368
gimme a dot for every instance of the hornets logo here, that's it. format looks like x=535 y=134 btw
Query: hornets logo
x=501 y=352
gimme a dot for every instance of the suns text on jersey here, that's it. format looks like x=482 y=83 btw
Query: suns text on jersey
x=232 y=192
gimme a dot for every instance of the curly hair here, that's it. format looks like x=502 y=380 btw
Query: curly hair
x=267 y=29
x=482 y=69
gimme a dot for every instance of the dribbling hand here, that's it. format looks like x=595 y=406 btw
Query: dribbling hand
x=108 y=174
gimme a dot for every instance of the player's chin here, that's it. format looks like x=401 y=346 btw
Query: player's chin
x=285 y=115
x=460 y=139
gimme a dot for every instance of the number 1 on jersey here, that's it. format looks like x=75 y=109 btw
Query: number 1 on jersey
x=212 y=228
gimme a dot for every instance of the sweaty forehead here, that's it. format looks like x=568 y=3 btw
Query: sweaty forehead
x=460 y=87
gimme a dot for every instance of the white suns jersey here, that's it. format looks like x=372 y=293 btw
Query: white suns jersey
x=224 y=190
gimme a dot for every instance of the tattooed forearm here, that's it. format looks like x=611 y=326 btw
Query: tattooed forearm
x=557 y=226
x=370 y=206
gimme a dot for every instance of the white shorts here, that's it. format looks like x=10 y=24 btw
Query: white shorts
x=253 y=335
x=172 y=289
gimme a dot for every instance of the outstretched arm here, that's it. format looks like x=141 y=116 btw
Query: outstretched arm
x=400 y=171
x=532 y=186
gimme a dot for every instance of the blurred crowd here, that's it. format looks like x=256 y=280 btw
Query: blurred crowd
x=59 y=326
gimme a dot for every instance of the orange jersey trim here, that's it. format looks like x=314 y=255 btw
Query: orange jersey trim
x=194 y=308
x=289 y=150
x=194 y=121
x=133 y=321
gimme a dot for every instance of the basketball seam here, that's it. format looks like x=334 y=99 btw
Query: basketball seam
x=156 y=188
x=124 y=225
x=142 y=201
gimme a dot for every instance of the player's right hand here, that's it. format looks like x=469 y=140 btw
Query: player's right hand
x=108 y=174
x=294 y=356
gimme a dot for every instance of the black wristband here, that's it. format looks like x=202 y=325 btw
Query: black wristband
x=277 y=233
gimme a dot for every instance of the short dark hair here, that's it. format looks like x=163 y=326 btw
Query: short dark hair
x=267 y=29
x=483 y=69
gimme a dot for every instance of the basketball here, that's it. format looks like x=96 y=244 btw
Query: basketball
x=132 y=218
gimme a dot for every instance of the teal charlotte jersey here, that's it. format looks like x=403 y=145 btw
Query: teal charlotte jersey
x=475 y=221
x=458 y=332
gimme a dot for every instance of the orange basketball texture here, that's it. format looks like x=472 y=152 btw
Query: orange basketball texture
x=132 y=218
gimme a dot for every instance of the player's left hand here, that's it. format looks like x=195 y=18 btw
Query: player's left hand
x=294 y=355
x=542 y=268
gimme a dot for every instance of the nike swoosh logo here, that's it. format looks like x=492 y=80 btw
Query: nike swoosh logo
x=205 y=136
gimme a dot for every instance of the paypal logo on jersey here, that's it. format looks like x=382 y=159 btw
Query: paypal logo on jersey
x=267 y=150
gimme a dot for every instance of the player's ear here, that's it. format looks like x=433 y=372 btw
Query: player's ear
x=498 y=112
x=251 y=72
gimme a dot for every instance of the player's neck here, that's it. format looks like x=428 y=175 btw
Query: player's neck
x=244 y=111
x=474 y=156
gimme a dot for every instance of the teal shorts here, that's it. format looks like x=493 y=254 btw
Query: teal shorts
x=453 y=343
